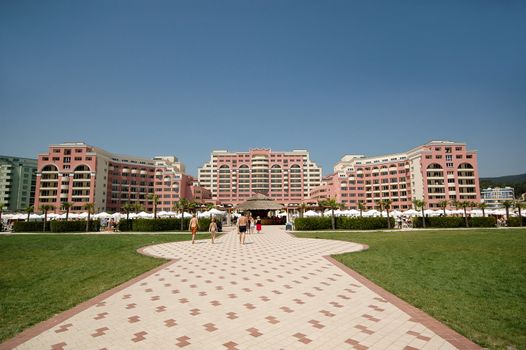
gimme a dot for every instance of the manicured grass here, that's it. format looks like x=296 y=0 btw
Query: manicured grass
x=42 y=275
x=472 y=280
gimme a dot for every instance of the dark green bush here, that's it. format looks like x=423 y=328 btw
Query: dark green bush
x=455 y=222
x=361 y=223
x=125 y=225
x=312 y=224
x=488 y=221
x=168 y=224
x=342 y=223
x=515 y=221
x=74 y=226
x=31 y=226
x=440 y=222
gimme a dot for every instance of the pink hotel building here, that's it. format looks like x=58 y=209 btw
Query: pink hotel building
x=79 y=174
x=286 y=177
x=434 y=172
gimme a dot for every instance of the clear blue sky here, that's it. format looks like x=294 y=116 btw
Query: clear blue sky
x=185 y=77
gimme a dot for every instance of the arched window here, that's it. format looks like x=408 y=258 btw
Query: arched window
x=434 y=166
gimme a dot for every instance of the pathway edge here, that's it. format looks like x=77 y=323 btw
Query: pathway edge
x=417 y=315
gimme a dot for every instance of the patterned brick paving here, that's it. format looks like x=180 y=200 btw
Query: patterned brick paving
x=276 y=292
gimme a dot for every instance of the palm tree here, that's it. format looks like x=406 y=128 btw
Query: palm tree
x=182 y=205
x=519 y=206
x=29 y=210
x=443 y=204
x=2 y=205
x=483 y=207
x=321 y=205
x=302 y=208
x=380 y=206
x=420 y=204
x=361 y=207
x=332 y=205
x=127 y=207
x=155 y=199
x=137 y=207
x=66 y=206
x=464 y=205
x=387 y=205
x=45 y=208
x=507 y=205
x=89 y=207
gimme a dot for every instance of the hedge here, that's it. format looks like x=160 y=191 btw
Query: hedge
x=29 y=226
x=514 y=221
x=169 y=224
x=74 y=226
x=455 y=222
x=55 y=226
x=345 y=223
x=361 y=223
x=125 y=225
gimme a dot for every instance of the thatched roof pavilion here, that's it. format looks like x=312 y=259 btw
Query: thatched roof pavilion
x=259 y=202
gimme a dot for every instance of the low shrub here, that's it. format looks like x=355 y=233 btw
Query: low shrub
x=361 y=223
x=440 y=222
x=125 y=225
x=29 y=226
x=342 y=223
x=167 y=224
x=455 y=222
x=488 y=221
x=515 y=221
x=74 y=226
x=312 y=224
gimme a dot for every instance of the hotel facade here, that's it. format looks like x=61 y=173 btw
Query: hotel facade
x=434 y=172
x=286 y=177
x=79 y=173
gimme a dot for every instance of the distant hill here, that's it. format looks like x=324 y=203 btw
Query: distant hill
x=518 y=182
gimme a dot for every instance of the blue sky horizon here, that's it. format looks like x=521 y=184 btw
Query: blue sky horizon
x=335 y=77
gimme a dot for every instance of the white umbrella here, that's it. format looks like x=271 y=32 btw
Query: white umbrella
x=204 y=214
x=19 y=216
x=237 y=215
x=35 y=217
x=352 y=212
x=311 y=213
x=163 y=213
x=215 y=211
x=431 y=212
x=395 y=213
x=281 y=214
x=372 y=212
x=410 y=212
x=144 y=215
x=187 y=215
x=83 y=215
x=102 y=215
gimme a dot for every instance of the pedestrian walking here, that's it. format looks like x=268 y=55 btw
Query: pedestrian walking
x=194 y=226
x=242 y=228
x=213 y=229
x=258 y=224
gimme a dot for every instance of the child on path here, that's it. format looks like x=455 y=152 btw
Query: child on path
x=213 y=229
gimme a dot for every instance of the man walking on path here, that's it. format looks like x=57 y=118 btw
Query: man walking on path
x=194 y=226
x=242 y=227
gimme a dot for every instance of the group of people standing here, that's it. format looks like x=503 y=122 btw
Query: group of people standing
x=245 y=224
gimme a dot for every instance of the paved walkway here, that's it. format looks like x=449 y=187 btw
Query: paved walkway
x=276 y=292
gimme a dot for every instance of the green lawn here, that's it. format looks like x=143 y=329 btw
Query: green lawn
x=42 y=275
x=474 y=281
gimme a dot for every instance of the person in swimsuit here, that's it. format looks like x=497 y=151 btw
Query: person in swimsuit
x=213 y=229
x=194 y=226
x=242 y=228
